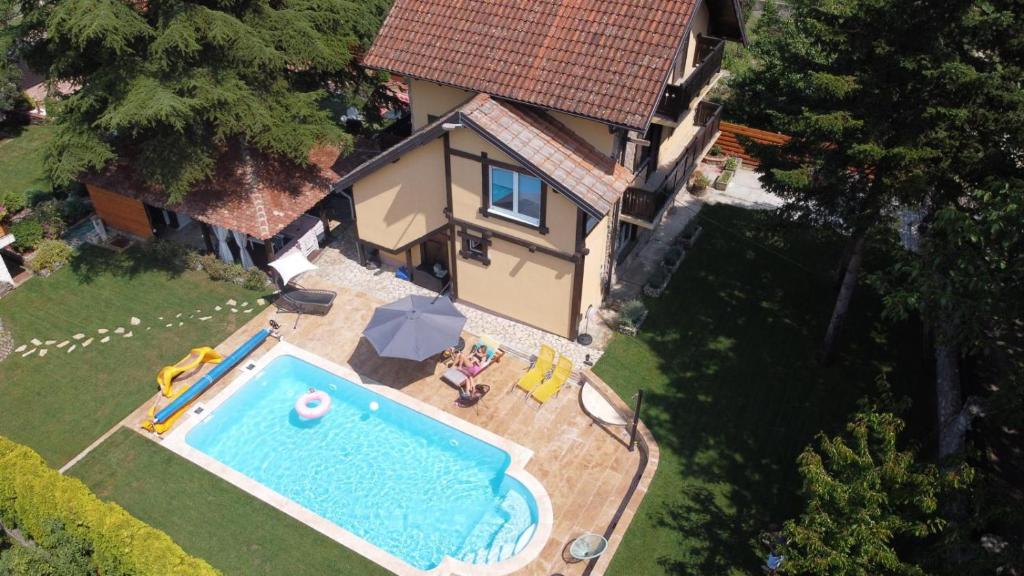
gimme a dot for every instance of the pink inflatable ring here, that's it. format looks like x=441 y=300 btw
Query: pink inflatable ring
x=313 y=404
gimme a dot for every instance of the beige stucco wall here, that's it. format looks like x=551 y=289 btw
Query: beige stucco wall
x=403 y=201
x=595 y=133
x=427 y=98
x=593 y=265
x=701 y=25
x=467 y=183
x=533 y=288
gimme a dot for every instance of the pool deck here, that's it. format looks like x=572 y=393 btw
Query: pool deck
x=594 y=482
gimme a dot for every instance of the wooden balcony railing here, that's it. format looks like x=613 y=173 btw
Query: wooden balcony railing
x=677 y=97
x=647 y=204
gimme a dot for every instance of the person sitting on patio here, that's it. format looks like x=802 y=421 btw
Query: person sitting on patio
x=471 y=363
x=470 y=394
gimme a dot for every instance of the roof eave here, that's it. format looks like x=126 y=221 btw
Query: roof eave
x=604 y=121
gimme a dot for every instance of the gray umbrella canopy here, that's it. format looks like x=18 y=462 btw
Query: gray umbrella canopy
x=415 y=327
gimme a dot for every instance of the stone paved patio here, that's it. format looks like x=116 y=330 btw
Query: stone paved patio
x=595 y=483
x=339 y=267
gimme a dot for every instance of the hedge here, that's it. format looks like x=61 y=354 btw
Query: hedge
x=33 y=495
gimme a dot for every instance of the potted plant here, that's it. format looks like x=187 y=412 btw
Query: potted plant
x=699 y=184
x=658 y=282
x=715 y=155
x=688 y=237
x=673 y=257
x=631 y=316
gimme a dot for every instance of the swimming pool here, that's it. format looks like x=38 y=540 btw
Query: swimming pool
x=411 y=485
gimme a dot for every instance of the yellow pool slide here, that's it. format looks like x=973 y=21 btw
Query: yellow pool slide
x=186 y=367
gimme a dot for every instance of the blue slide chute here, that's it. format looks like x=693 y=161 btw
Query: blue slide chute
x=205 y=382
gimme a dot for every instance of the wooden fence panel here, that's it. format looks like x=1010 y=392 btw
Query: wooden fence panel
x=731 y=146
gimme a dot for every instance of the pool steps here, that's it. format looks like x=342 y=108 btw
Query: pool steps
x=503 y=531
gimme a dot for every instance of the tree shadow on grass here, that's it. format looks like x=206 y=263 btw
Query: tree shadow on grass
x=92 y=262
x=738 y=392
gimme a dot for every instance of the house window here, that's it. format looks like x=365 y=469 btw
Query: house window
x=474 y=247
x=515 y=195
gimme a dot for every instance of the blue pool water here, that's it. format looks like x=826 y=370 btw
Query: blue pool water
x=397 y=478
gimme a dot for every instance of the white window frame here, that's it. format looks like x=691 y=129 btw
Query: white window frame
x=514 y=213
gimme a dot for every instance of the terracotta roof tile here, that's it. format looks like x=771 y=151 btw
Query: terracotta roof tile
x=552 y=148
x=258 y=197
x=604 y=60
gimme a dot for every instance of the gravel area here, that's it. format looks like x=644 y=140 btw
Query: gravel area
x=338 y=265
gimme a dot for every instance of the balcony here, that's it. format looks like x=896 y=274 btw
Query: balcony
x=678 y=97
x=644 y=204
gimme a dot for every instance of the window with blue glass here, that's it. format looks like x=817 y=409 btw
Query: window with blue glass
x=515 y=195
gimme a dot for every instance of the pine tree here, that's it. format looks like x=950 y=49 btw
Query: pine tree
x=172 y=83
x=843 y=78
x=10 y=75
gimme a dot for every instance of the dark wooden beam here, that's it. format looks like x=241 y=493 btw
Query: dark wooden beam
x=577 y=275
x=453 y=260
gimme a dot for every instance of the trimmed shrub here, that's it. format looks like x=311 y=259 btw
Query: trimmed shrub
x=716 y=150
x=75 y=208
x=14 y=202
x=51 y=255
x=731 y=164
x=35 y=498
x=51 y=215
x=168 y=253
x=255 y=279
x=28 y=233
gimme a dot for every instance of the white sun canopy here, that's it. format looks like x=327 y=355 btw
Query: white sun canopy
x=292 y=264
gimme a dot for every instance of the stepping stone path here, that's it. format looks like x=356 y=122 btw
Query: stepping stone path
x=179 y=315
x=129 y=334
x=20 y=349
x=43 y=352
x=260 y=301
x=217 y=308
x=78 y=336
x=181 y=323
x=169 y=325
x=119 y=330
x=249 y=311
x=204 y=318
x=35 y=342
x=72 y=349
x=63 y=344
x=105 y=340
x=234 y=309
x=244 y=304
x=231 y=302
x=87 y=342
x=29 y=353
x=102 y=331
x=135 y=321
x=51 y=342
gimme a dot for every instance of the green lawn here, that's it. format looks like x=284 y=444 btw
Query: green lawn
x=21 y=159
x=61 y=403
x=733 y=392
x=208 y=517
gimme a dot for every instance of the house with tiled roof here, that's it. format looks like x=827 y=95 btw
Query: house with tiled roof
x=250 y=209
x=548 y=137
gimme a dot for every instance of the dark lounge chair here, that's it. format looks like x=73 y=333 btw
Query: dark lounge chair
x=305 y=301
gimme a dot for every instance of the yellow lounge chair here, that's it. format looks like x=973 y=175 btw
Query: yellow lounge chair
x=553 y=385
x=535 y=375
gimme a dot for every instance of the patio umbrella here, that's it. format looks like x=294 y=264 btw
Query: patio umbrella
x=415 y=327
